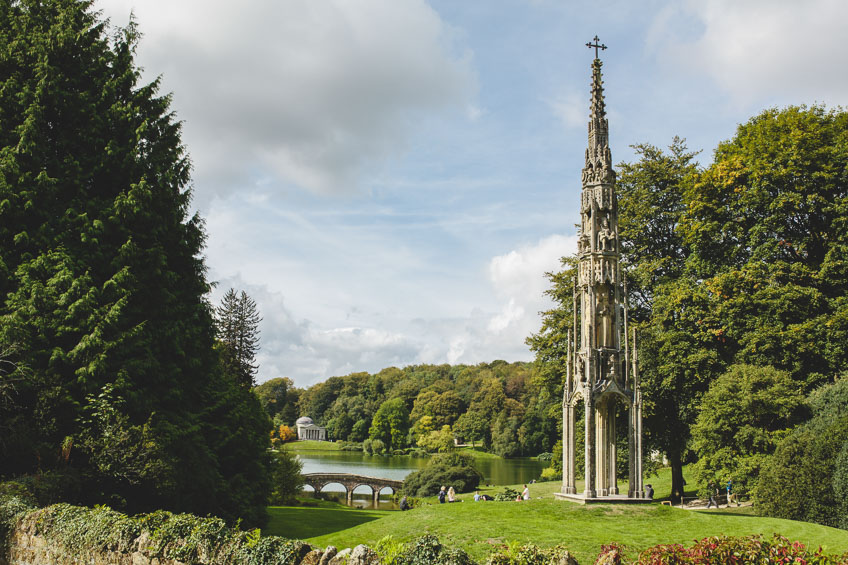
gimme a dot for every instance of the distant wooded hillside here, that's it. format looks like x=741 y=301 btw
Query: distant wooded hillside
x=501 y=406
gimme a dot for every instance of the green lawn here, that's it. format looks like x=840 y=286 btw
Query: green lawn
x=477 y=452
x=312 y=445
x=301 y=522
x=479 y=527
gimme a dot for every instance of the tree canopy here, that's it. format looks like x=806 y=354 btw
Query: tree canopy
x=740 y=262
x=237 y=325
x=103 y=307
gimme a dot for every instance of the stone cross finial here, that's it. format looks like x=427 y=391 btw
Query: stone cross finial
x=596 y=45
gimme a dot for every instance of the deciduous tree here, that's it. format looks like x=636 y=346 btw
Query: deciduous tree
x=742 y=416
x=390 y=424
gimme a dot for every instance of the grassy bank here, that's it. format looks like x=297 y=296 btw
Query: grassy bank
x=317 y=519
x=480 y=527
x=312 y=445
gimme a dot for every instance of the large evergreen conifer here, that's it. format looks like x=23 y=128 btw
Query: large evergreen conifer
x=102 y=284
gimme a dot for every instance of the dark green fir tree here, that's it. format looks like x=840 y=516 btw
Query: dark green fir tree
x=102 y=283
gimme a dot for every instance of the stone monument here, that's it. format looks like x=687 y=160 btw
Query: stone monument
x=601 y=365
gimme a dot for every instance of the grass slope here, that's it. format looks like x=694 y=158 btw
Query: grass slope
x=301 y=522
x=479 y=527
x=312 y=445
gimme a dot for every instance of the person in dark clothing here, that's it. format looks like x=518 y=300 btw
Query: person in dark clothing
x=442 y=494
x=404 y=504
x=713 y=490
x=649 y=492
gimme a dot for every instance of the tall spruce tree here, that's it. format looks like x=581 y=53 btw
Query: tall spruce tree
x=102 y=284
x=237 y=322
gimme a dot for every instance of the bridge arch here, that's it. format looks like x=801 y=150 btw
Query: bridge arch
x=350 y=482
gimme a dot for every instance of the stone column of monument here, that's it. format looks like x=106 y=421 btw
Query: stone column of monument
x=597 y=372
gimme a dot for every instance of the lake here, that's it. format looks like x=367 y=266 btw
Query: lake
x=495 y=471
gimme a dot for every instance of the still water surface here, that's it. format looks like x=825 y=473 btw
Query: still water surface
x=397 y=467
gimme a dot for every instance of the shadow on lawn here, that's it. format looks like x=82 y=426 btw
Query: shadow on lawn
x=299 y=522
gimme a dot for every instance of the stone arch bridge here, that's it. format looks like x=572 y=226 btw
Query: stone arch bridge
x=349 y=481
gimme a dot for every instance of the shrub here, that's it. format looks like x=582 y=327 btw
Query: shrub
x=286 y=478
x=530 y=554
x=445 y=469
x=350 y=446
x=15 y=502
x=840 y=486
x=389 y=549
x=506 y=495
x=798 y=481
x=550 y=474
x=749 y=549
x=427 y=550
x=182 y=537
x=742 y=417
x=611 y=554
x=378 y=447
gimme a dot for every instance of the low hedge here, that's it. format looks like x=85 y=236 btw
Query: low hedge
x=161 y=534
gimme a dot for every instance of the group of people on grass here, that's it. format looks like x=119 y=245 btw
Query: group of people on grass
x=449 y=495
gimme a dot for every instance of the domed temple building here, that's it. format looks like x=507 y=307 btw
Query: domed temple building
x=307 y=429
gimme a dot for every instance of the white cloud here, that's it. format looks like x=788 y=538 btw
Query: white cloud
x=310 y=352
x=519 y=274
x=762 y=49
x=317 y=92
x=572 y=108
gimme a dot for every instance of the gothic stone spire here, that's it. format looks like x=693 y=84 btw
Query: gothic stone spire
x=598 y=166
x=597 y=371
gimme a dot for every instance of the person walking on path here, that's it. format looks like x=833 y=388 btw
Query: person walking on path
x=713 y=491
x=442 y=495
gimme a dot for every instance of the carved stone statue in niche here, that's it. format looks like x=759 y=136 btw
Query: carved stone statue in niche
x=605 y=320
x=581 y=369
x=612 y=368
x=606 y=237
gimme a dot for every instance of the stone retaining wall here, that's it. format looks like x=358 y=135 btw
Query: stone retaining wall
x=32 y=541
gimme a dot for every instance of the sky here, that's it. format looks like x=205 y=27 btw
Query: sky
x=390 y=180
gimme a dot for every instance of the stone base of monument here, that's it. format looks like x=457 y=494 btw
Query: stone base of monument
x=610 y=499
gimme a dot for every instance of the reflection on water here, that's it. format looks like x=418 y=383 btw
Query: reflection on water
x=397 y=467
